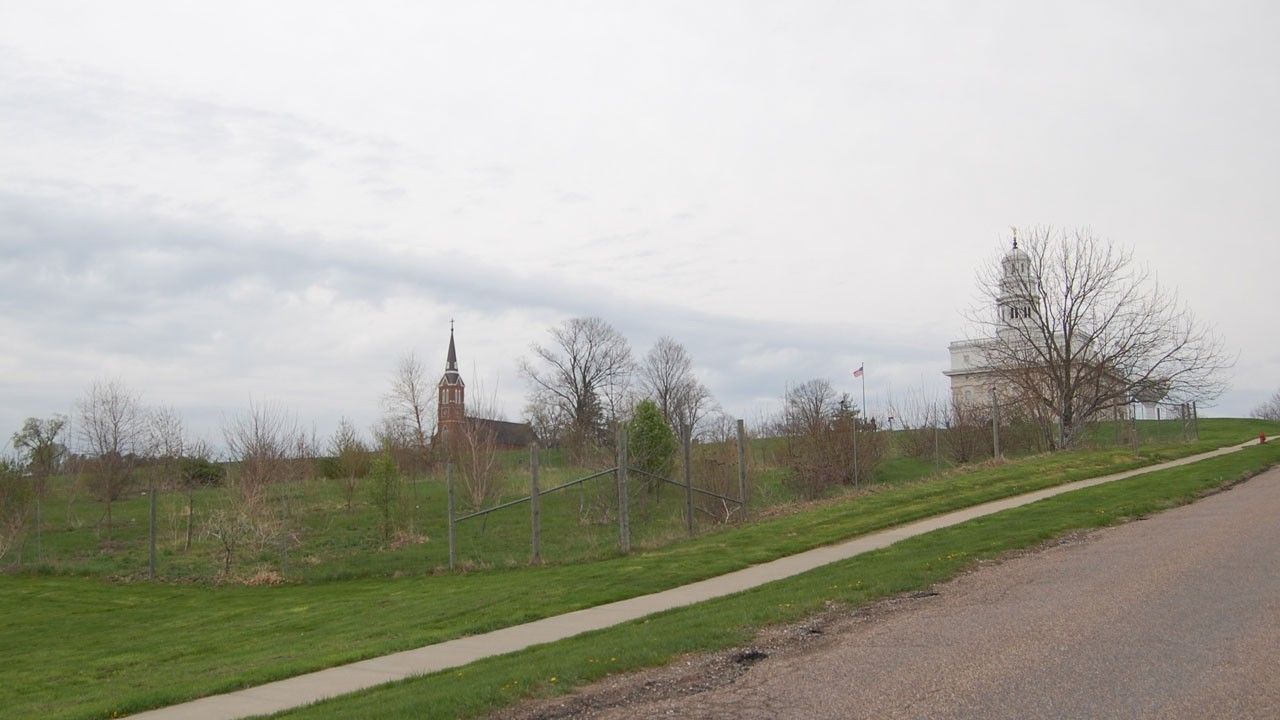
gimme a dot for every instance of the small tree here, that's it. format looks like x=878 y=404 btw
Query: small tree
x=15 y=498
x=233 y=528
x=409 y=404
x=651 y=444
x=968 y=436
x=821 y=431
x=42 y=451
x=473 y=448
x=196 y=470
x=352 y=457
x=113 y=431
x=384 y=490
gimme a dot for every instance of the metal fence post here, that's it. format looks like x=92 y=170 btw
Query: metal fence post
x=856 y=474
x=937 y=456
x=39 y=526
x=151 y=534
x=688 y=483
x=535 y=505
x=995 y=424
x=448 y=481
x=742 y=468
x=624 y=510
x=1133 y=426
x=1195 y=420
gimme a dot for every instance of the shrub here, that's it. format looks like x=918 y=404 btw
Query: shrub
x=651 y=445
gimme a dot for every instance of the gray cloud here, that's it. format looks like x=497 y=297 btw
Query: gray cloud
x=160 y=291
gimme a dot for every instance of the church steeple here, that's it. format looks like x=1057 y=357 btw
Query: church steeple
x=451 y=363
x=451 y=410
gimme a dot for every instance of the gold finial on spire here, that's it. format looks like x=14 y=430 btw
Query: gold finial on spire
x=1015 y=236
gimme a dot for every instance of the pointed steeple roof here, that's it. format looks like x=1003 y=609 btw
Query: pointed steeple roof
x=451 y=363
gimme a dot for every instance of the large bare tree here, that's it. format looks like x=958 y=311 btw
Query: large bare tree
x=112 y=427
x=666 y=376
x=584 y=372
x=1081 y=329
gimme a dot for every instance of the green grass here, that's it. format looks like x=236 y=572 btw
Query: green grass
x=79 y=647
x=909 y=565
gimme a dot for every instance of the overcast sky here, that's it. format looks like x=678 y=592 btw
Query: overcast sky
x=225 y=202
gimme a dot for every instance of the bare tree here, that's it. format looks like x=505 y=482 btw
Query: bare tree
x=166 y=447
x=473 y=447
x=809 y=405
x=352 y=456
x=1081 y=330
x=920 y=415
x=260 y=443
x=549 y=421
x=410 y=402
x=113 y=430
x=585 y=373
x=1269 y=409
x=820 y=439
x=666 y=376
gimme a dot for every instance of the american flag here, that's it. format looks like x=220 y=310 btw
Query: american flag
x=858 y=372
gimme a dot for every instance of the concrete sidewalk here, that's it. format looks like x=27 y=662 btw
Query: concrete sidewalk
x=311 y=687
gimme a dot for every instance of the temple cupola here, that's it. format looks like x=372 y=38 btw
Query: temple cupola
x=1017 y=301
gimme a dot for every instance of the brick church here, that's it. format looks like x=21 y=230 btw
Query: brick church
x=452 y=409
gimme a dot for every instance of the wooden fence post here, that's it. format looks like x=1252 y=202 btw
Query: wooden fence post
x=742 y=467
x=535 y=505
x=448 y=481
x=624 y=510
x=688 y=483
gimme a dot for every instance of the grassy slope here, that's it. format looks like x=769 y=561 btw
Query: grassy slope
x=84 y=648
x=909 y=565
x=331 y=542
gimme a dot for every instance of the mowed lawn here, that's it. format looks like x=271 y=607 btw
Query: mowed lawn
x=77 y=647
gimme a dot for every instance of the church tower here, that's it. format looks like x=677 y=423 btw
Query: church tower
x=452 y=404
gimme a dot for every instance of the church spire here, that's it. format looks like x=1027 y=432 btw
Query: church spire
x=451 y=363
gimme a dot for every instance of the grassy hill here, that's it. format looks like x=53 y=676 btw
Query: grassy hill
x=88 y=647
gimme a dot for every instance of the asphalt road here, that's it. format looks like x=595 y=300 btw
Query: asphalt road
x=1175 y=616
